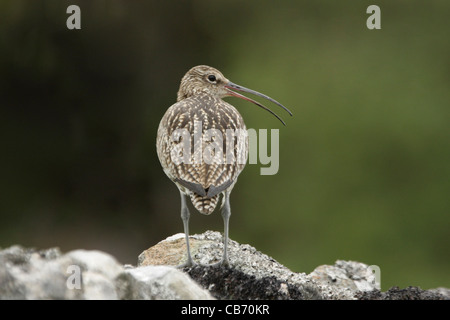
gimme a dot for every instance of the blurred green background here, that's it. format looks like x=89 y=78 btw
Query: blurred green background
x=364 y=163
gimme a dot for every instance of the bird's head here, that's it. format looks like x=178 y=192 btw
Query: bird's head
x=208 y=80
x=203 y=79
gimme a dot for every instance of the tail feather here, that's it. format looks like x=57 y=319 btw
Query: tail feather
x=204 y=205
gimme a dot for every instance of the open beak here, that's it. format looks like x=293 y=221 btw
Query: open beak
x=230 y=85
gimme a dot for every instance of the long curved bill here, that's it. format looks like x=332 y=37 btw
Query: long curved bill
x=237 y=87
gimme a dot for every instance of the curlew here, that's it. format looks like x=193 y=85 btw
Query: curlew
x=201 y=139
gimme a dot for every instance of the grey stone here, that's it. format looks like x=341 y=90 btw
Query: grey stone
x=408 y=293
x=249 y=267
x=89 y=274
x=254 y=275
x=345 y=278
x=444 y=292
x=160 y=283
x=47 y=274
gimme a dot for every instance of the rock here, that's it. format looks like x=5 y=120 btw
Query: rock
x=90 y=275
x=48 y=274
x=444 y=292
x=233 y=284
x=171 y=251
x=98 y=273
x=352 y=275
x=254 y=275
x=409 y=293
x=160 y=282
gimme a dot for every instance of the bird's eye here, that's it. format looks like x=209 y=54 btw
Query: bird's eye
x=212 y=78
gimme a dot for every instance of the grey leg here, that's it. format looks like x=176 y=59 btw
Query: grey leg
x=226 y=213
x=185 y=214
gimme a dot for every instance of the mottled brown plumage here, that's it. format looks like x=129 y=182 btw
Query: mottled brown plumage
x=200 y=110
x=212 y=113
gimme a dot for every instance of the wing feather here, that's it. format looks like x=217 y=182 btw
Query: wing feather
x=211 y=175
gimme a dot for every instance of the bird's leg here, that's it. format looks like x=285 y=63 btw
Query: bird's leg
x=185 y=214
x=226 y=213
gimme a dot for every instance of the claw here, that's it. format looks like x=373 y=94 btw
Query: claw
x=188 y=264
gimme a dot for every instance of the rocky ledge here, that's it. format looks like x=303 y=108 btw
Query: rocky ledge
x=80 y=274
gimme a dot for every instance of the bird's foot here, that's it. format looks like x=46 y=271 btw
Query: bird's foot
x=188 y=264
x=224 y=263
